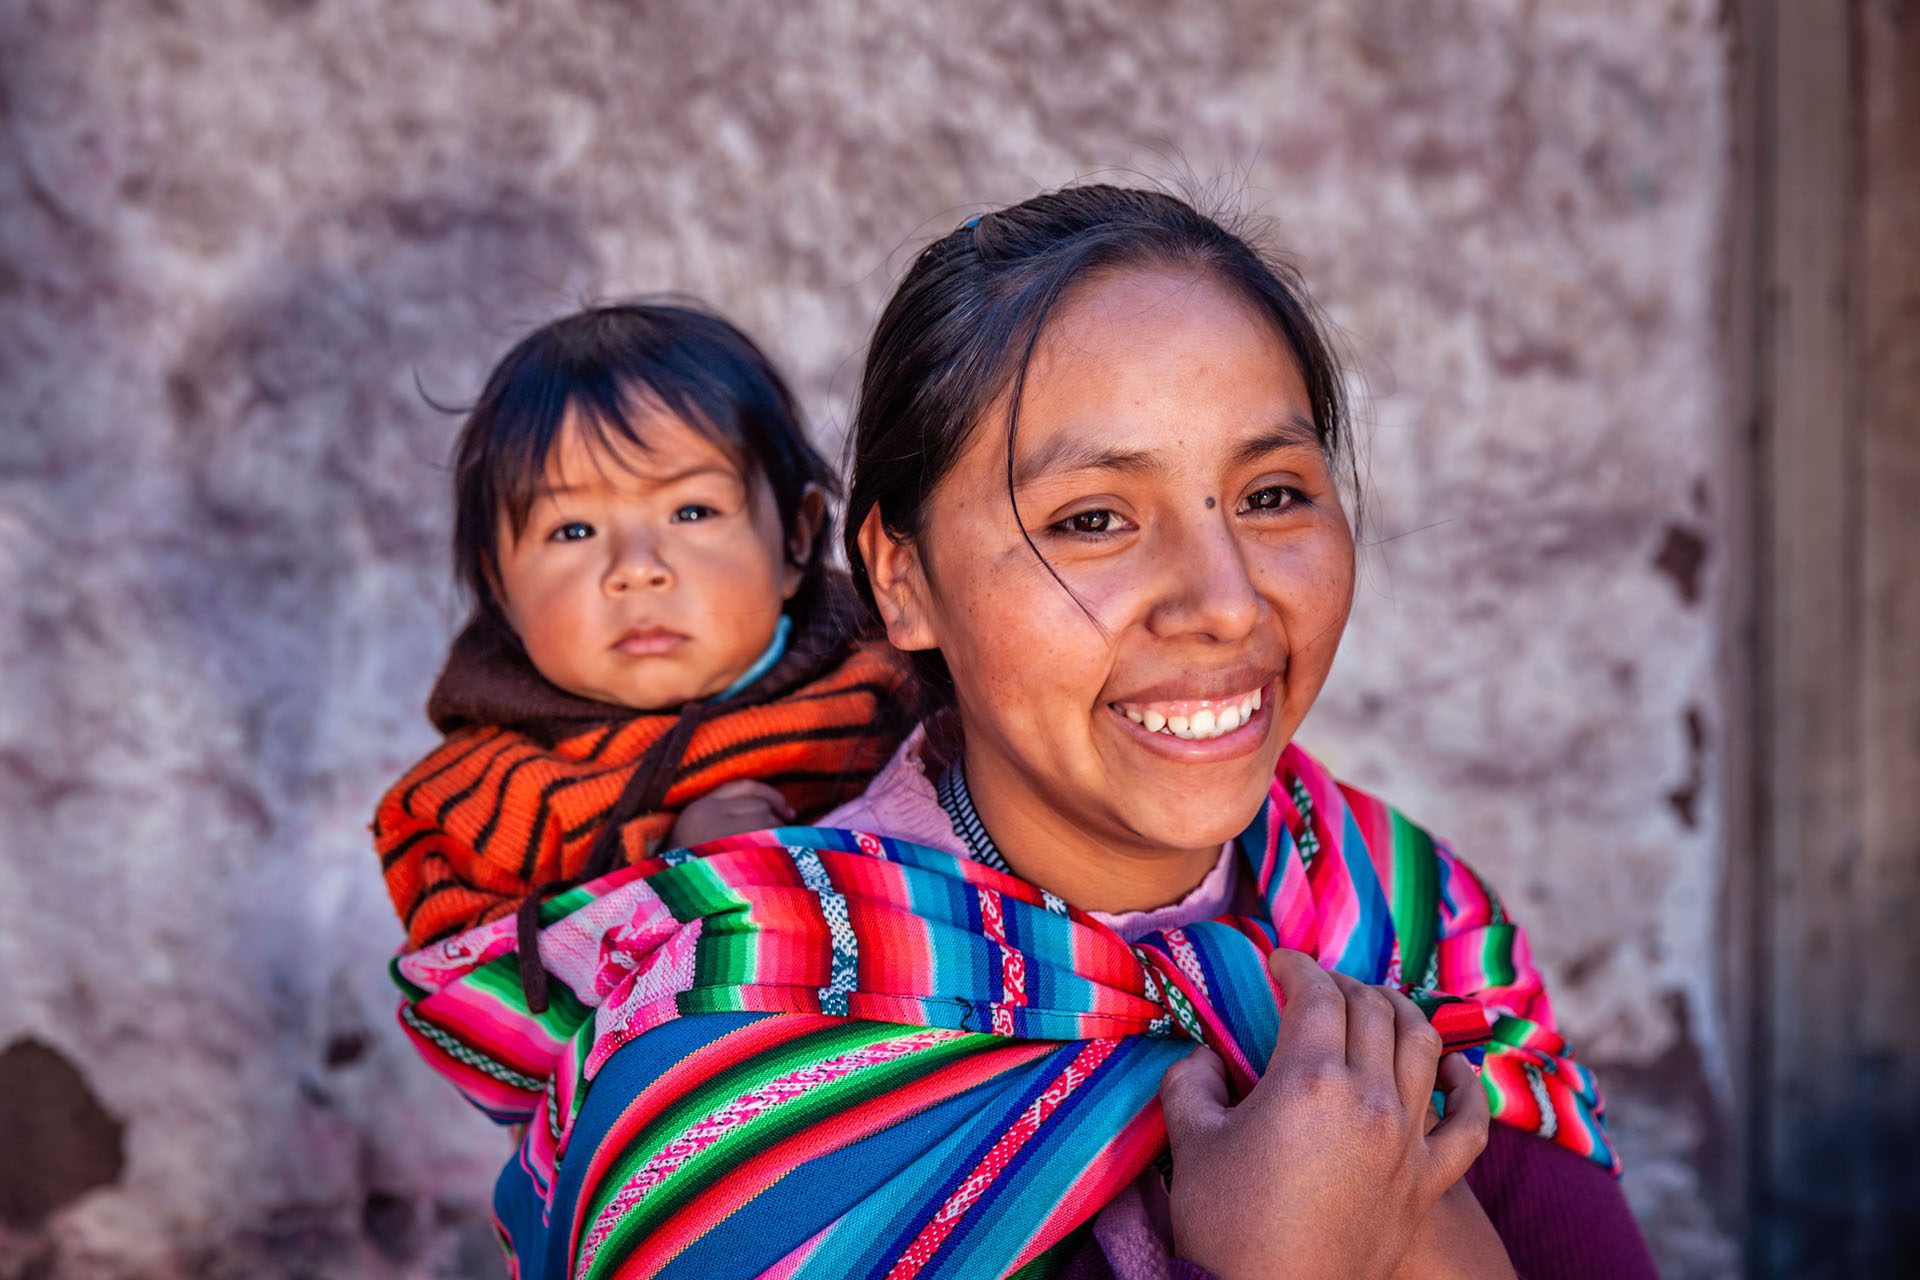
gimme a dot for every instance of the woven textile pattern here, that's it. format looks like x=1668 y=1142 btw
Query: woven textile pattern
x=838 y=1054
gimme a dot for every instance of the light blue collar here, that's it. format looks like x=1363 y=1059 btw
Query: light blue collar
x=775 y=650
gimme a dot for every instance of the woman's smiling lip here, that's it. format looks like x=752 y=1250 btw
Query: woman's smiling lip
x=649 y=642
x=1217 y=716
x=1243 y=740
x=1219 y=686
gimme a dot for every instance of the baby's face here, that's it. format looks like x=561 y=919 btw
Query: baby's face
x=645 y=577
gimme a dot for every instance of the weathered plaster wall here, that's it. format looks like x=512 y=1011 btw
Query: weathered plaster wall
x=235 y=234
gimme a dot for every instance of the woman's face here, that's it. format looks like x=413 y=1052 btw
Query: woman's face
x=1167 y=468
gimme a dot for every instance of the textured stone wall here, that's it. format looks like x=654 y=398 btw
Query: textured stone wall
x=239 y=238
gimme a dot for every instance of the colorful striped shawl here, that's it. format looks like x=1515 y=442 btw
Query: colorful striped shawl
x=841 y=1054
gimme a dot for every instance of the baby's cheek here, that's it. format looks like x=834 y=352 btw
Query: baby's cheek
x=740 y=581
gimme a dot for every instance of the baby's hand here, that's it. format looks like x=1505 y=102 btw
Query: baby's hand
x=728 y=810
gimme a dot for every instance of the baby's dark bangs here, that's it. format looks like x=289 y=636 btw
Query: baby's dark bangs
x=608 y=403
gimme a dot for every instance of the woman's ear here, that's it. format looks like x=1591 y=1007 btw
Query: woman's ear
x=806 y=528
x=899 y=583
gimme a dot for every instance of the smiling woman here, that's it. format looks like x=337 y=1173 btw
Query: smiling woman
x=1017 y=1009
x=1126 y=566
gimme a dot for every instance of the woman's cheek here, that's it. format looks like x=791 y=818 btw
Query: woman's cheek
x=1064 y=616
x=1021 y=639
x=1311 y=577
x=1314 y=610
x=1337 y=577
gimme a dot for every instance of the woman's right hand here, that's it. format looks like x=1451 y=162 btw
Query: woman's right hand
x=1326 y=1168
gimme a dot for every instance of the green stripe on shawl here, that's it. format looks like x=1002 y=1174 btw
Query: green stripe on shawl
x=499 y=978
x=1416 y=896
x=726 y=957
x=1496 y=955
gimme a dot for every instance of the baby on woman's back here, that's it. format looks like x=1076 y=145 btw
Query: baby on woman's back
x=658 y=653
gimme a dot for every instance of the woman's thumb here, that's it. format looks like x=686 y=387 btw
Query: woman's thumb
x=1193 y=1094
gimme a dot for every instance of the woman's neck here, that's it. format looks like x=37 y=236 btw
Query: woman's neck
x=1095 y=872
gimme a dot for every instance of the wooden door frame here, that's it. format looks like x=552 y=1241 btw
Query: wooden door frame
x=1821 y=902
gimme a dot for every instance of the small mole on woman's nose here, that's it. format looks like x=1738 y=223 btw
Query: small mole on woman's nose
x=1209 y=504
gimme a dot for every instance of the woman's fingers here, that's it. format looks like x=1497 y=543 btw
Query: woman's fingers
x=1193 y=1094
x=1457 y=1141
x=1416 y=1051
x=1370 y=1027
x=1313 y=1013
x=1329 y=1136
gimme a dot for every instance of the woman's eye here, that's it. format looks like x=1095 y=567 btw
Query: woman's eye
x=694 y=511
x=571 y=531
x=1276 y=497
x=1090 y=522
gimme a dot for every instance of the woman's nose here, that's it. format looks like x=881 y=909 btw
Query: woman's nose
x=1210 y=592
x=637 y=565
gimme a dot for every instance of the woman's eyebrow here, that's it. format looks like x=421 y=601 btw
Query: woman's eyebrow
x=1070 y=453
x=1076 y=453
x=1292 y=432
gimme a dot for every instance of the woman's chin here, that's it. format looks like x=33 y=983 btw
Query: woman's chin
x=1197 y=822
x=1193 y=793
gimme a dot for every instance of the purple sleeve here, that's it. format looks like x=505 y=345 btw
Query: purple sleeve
x=1561 y=1217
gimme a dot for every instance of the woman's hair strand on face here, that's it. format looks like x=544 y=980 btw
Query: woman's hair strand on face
x=961 y=329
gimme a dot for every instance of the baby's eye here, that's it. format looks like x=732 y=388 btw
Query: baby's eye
x=571 y=531
x=1275 y=497
x=694 y=511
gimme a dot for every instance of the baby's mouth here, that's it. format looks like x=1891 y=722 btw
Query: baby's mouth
x=647 y=642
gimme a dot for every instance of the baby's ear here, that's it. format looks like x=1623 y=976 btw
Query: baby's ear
x=496 y=593
x=807 y=521
x=899 y=584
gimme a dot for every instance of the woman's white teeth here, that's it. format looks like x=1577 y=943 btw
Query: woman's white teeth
x=1207 y=722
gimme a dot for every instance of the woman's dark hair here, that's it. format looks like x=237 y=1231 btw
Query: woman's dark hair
x=603 y=364
x=962 y=327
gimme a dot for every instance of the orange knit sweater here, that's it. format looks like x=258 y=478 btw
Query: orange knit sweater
x=529 y=776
